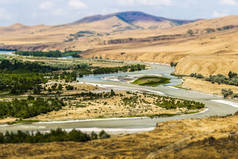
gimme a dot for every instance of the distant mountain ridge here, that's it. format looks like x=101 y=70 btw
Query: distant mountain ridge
x=131 y=17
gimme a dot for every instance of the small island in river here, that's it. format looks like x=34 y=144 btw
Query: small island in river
x=152 y=81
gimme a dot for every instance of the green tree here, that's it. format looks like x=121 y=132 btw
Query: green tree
x=103 y=135
x=94 y=136
x=60 y=87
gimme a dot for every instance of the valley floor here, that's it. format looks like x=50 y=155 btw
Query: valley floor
x=122 y=104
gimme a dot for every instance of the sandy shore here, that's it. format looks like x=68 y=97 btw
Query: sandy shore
x=7 y=120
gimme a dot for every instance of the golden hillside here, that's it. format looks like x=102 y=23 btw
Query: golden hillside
x=204 y=52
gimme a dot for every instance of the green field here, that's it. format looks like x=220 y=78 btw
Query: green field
x=152 y=81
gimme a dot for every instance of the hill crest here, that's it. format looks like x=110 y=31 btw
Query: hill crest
x=131 y=17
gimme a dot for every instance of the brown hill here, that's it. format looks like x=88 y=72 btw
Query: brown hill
x=135 y=18
x=102 y=25
x=208 y=48
x=211 y=49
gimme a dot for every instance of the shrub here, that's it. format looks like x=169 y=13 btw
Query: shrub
x=94 y=136
x=103 y=135
x=199 y=76
x=210 y=30
x=172 y=64
x=226 y=92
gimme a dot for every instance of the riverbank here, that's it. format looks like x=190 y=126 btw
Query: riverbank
x=193 y=138
x=7 y=120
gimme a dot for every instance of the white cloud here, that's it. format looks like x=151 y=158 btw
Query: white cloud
x=146 y=2
x=217 y=14
x=46 y=5
x=228 y=2
x=77 y=4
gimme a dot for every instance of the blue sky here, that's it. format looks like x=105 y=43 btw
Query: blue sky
x=34 y=12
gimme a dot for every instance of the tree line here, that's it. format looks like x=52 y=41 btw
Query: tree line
x=56 y=53
x=57 y=135
x=16 y=66
x=128 y=68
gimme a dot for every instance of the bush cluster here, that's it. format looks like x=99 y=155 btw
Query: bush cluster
x=230 y=79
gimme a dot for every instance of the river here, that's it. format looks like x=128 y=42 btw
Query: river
x=119 y=81
x=6 y=53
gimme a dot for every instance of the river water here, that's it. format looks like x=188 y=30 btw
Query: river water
x=6 y=53
x=119 y=81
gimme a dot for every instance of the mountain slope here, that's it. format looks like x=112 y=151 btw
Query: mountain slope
x=132 y=18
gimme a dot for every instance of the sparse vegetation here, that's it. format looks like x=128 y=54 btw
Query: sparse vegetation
x=210 y=30
x=165 y=102
x=80 y=34
x=230 y=79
